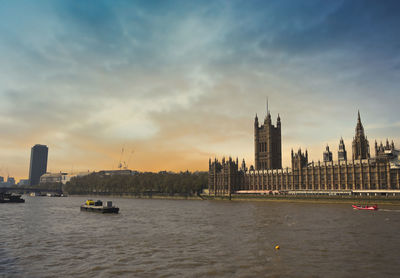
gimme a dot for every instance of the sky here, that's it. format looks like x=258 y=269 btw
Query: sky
x=174 y=83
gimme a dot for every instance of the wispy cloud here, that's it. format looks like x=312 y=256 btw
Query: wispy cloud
x=179 y=81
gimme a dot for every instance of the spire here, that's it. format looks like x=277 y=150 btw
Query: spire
x=342 y=154
x=327 y=155
x=268 y=114
x=278 y=121
x=243 y=167
x=268 y=118
x=360 y=141
x=359 y=127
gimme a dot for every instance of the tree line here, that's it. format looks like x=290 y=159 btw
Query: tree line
x=142 y=183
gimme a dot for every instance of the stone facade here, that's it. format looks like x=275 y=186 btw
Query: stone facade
x=267 y=144
x=360 y=142
x=327 y=155
x=383 y=151
x=342 y=153
x=379 y=173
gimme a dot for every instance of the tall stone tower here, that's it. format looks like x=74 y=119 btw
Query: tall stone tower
x=382 y=151
x=299 y=159
x=327 y=155
x=360 y=142
x=342 y=154
x=267 y=144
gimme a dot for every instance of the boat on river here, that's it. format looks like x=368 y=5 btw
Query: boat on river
x=98 y=206
x=359 y=207
x=37 y=194
x=10 y=198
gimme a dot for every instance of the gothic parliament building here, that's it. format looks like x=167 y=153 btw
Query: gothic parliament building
x=359 y=175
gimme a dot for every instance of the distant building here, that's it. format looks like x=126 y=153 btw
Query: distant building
x=267 y=144
x=342 y=154
x=299 y=160
x=124 y=172
x=10 y=180
x=38 y=165
x=52 y=178
x=360 y=175
x=23 y=182
x=327 y=155
x=360 y=142
x=384 y=151
x=66 y=178
x=60 y=177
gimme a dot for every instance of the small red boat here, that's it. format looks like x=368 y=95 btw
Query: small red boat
x=374 y=207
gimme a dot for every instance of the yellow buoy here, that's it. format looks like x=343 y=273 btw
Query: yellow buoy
x=277 y=247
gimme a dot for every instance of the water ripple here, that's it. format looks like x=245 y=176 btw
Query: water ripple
x=48 y=237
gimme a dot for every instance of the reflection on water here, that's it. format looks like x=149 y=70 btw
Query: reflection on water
x=48 y=237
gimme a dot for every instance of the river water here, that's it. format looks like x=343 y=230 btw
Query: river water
x=51 y=237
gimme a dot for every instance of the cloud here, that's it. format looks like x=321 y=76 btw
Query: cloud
x=181 y=81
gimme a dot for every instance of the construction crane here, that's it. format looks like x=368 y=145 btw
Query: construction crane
x=129 y=159
x=120 y=159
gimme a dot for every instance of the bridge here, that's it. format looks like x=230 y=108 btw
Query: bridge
x=29 y=189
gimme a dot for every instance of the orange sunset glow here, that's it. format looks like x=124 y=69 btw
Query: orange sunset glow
x=174 y=89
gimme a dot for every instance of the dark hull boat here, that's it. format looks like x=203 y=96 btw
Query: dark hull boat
x=10 y=198
x=98 y=207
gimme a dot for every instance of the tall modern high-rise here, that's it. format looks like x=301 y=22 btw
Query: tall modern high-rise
x=38 y=165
